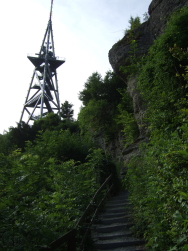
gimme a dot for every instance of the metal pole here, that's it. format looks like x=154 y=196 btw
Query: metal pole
x=27 y=96
x=45 y=69
x=57 y=93
x=33 y=109
x=51 y=10
x=43 y=41
x=52 y=39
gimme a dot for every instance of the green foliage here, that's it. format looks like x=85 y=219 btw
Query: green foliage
x=164 y=92
x=45 y=190
x=126 y=101
x=145 y=16
x=134 y=23
x=133 y=61
x=67 y=111
x=157 y=180
x=101 y=97
x=5 y=144
x=17 y=136
x=42 y=199
x=106 y=103
x=97 y=88
x=93 y=89
x=47 y=183
x=182 y=56
x=53 y=122
x=49 y=122
x=62 y=145
x=130 y=127
x=96 y=115
x=159 y=191
x=71 y=125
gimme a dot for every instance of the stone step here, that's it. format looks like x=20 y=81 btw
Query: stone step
x=116 y=210
x=117 y=238
x=112 y=230
x=133 y=248
x=112 y=227
x=121 y=201
x=108 y=215
x=113 y=236
x=121 y=242
x=104 y=236
x=107 y=221
x=120 y=205
x=124 y=194
x=119 y=198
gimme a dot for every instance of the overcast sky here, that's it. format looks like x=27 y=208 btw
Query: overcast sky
x=84 y=32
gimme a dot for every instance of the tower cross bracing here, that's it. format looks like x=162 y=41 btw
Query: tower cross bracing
x=43 y=93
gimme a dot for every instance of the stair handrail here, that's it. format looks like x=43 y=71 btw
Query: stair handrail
x=70 y=237
x=92 y=200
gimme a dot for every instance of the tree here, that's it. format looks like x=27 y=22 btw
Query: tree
x=49 y=122
x=134 y=24
x=145 y=16
x=20 y=134
x=98 y=88
x=93 y=89
x=67 y=111
x=101 y=97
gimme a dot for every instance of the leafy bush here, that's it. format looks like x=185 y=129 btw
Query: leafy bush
x=43 y=196
x=164 y=92
x=98 y=88
x=62 y=145
x=157 y=180
x=105 y=103
x=130 y=127
x=159 y=192
x=134 y=24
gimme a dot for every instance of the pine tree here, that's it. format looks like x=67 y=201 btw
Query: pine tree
x=66 y=110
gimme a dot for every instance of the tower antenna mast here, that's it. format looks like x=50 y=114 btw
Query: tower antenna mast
x=43 y=94
x=51 y=10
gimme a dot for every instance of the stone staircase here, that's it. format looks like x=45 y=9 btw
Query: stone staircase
x=112 y=230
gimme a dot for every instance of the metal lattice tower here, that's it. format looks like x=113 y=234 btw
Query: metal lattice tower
x=43 y=94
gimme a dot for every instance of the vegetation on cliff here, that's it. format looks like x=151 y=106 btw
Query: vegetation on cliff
x=107 y=108
x=158 y=180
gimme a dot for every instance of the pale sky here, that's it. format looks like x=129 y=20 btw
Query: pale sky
x=84 y=32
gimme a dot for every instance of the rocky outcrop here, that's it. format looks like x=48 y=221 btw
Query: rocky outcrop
x=159 y=11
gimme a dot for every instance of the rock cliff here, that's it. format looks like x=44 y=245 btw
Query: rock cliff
x=159 y=11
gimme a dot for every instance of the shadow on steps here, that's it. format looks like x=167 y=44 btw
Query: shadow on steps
x=112 y=231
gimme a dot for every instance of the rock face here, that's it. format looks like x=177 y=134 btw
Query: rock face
x=159 y=11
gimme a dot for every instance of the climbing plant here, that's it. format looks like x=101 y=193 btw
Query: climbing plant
x=157 y=179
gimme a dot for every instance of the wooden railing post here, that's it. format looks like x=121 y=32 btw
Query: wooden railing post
x=72 y=242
